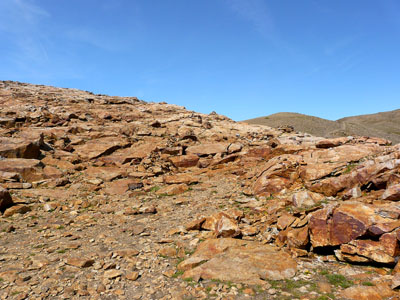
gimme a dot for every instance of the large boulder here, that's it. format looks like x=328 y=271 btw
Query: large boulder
x=29 y=169
x=239 y=261
x=20 y=148
x=278 y=173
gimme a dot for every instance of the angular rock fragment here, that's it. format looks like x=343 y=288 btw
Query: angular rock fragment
x=79 y=262
x=16 y=209
x=392 y=193
x=184 y=161
x=20 y=148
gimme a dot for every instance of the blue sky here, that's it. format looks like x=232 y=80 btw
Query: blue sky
x=240 y=58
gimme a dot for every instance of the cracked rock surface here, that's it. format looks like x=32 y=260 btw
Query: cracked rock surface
x=106 y=197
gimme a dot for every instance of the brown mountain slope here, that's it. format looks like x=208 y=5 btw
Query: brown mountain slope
x=385 y=124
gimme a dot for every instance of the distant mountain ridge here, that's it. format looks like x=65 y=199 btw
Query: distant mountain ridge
x=383 y=124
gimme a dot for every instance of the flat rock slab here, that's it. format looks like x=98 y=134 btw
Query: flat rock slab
x=29 y=169
x=98 y=147
x=239 y=261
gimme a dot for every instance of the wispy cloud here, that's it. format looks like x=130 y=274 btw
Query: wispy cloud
x=20 y=26
x=20 y=15
x=257 y=12
x=260 y=16
x=95 y=38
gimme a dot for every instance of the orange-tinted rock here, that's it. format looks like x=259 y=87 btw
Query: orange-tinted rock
x=263 y=152
x=238 y=261
x=298 y=237
x=207 y=149
x=361 y=292
x=119 y=186
x=98 y=147
x=195 y=224
x=285 y=220
x=313 y=171
x=330 y=143
x=372 y=250
x=105 y=173
x=333 y=185
x=20 y=148
x=184 y=161
x=180 y=178
x=79 y=262
x=211 y=222
x=390 y=244
x=16 y=209
x=384 y=226
x=173 y=189
x=29 y=169
x=277 y=174
x=51 y=172
x=227 y=227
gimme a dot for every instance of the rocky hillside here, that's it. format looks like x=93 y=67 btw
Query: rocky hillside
x=384 y=125
x=114 y=198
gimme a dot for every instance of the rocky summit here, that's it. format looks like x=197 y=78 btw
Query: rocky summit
x=115 y=198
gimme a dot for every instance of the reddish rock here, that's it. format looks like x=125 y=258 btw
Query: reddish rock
x=383 y=226
x=264 y=152
x=277 y=174
x=238 y=261
x=368 y=250
x=105 y=173
x=119 y=186
x=20 y=148
x=184 y=161
x=180 y=178
x=298 y=237
x=320 y=226
x=330 y=143
x=195 y=224
x=16 y=209
x=98 y=147
x=285 y=220
x=79 y=262
x=350 y=221
x=173 y=189
x=207 y=149
x=360 y=292
x=29 y=169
